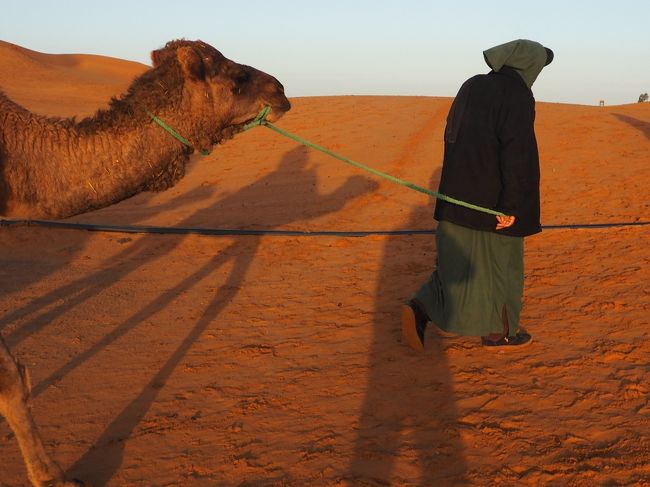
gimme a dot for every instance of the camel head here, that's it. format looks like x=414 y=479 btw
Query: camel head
x=221 y=94
x=55 y=168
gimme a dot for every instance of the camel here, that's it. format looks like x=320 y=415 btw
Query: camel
x=55 y=168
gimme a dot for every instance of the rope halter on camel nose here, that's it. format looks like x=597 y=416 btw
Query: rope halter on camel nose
x=260 y=119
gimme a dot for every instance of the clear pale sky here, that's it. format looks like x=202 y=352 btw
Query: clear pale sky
x=378 y=47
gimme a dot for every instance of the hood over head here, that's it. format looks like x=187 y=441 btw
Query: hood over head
x=524 y=56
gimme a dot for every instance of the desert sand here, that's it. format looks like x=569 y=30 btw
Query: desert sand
x=185 y=360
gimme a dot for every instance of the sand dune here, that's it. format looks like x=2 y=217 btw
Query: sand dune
x=200 y=361
x=63 y=84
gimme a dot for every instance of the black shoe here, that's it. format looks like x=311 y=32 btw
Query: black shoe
x=414 y=324
x=518 y=341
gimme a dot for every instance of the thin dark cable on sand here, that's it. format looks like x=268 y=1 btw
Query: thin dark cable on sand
x=221 y=232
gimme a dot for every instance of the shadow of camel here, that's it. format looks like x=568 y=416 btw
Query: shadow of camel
x=25 y=280
x=408 y=431
x=47 y=307
x=643 y=127
x=99 y=464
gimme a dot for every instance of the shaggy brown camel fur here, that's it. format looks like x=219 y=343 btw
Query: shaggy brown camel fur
x=55 y=168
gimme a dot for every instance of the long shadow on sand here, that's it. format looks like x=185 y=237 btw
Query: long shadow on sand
x=104 y=458
x=408 y=433
x=31 y=311
x=643 y=127
x=45 y=308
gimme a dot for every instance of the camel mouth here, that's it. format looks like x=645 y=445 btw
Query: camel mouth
x=276 y=113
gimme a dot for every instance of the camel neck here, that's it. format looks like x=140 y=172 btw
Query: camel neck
x=55 y=168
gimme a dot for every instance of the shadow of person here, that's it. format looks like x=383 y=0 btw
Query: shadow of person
x=640 y=125
x=408 y=431
x=103 y=459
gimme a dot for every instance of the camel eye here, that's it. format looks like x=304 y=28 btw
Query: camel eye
x=211 y=66
x=242 y=78
x=240 y=81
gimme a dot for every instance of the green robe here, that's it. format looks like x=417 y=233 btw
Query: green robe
x=477 y=274
x=480 y=273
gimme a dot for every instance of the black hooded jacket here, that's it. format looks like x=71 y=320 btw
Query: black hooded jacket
x=491 y=157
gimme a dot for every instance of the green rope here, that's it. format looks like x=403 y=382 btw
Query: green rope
x=261 y=120
x=178 y=136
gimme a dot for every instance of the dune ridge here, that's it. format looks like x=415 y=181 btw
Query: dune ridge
x=65 y=83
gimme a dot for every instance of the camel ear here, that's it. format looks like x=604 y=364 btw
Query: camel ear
x=159 y=56
x=191 y=63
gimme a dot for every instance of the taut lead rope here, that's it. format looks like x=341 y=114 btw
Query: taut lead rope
x=260 y=119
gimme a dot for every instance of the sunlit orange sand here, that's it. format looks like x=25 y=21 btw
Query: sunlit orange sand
x=263 y=360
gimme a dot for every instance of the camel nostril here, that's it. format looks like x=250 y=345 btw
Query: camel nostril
x=287 y=106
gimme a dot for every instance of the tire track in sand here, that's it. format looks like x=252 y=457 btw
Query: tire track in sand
x=417 y=147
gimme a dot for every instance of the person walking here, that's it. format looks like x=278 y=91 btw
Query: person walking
x=491 y=160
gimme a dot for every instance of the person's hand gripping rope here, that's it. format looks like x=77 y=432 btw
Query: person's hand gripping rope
x=505 y=221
